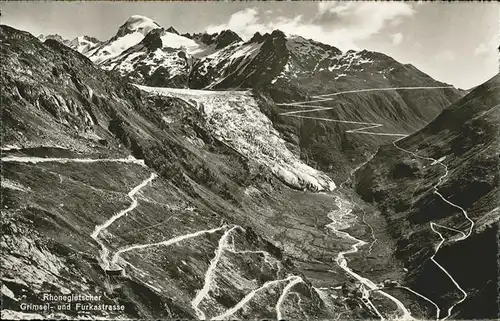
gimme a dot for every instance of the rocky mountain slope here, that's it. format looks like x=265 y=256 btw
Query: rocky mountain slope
x=159 y=204
x=458 y=152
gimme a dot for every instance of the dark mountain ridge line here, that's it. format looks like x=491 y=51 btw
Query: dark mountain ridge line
x=276 y=35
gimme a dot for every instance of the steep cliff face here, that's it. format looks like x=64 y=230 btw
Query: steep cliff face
x=458 y=154
x=141 y=199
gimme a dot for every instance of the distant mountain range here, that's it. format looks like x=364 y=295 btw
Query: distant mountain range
x=141 y=47
x=81 y=44
x=287 y=69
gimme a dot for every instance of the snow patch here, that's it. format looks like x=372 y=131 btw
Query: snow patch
x=8 y=293
x=115 y=48
x=141 y=24
x=172 y=40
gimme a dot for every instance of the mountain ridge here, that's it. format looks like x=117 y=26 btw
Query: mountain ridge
x=464 y=139
x=142 y=25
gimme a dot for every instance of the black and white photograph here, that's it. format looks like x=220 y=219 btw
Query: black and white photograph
x=249 y=160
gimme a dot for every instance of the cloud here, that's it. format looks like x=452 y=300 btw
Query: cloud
x=481 y=50
x=341 y=24
x=486 y=48
x=446 y=55
x=397 y=38
x=368 y=16
x=239 y=21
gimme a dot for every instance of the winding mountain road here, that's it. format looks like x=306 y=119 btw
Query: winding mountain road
x=328 y=97
x=117 y=256
x=209 y=274
x=344 y=209
x=292 y=279
x=99 y=228
x=341 y=261
x=223 y=244
x=433 y=225
x=323 y=97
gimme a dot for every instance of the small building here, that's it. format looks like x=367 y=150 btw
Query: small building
x=390 y=283
x=115 y=272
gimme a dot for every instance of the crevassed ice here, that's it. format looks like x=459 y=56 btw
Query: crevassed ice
x=235 y=118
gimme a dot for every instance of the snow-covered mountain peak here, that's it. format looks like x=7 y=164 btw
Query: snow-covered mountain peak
x=137 y=23
x=275 y=35
x=129 y=34
x=160 y=57
x=82 y=44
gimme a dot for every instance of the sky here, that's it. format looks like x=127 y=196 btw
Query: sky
x=452 y=42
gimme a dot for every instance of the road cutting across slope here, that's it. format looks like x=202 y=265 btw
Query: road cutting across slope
x=36 y=160
x=323 y=97
x=107 y=264
x=286 y=290
x=104 y=252
x=292 y=279
x=209 y=274
x=331 y=96
x=117 y=256
x=223 y=244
